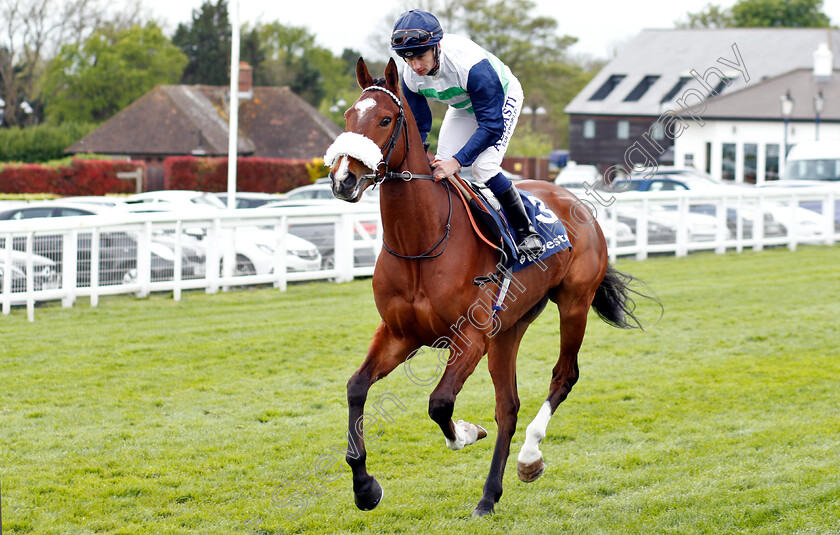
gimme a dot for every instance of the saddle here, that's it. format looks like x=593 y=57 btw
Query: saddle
x=484 y=207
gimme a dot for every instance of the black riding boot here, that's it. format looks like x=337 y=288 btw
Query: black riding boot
x=530 y=244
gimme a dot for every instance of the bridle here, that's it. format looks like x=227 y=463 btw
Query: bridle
x=405 y=176
x=399 y=128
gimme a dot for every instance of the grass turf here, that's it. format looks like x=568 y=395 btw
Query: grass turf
x=223 y=413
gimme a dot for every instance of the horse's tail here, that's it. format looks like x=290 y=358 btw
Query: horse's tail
x=613 y=300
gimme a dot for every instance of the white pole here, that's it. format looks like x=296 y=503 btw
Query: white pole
x=233 y=126
x=229 y=255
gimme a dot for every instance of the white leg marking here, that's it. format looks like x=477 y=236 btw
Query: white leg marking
x=530 y=452
x=465 y=434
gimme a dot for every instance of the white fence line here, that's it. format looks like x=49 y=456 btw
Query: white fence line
x=158 y=252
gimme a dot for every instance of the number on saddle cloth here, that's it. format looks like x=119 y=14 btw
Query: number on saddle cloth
x=547 y=224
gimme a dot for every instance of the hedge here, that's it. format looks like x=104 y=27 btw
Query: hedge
x=81 y=177
x=99 y=177
x=252 y=174
x=40 y=143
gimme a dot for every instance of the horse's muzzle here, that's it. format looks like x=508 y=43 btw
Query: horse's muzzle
x=347 y=188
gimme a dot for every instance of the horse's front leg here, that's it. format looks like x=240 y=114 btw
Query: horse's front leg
x=386 y=352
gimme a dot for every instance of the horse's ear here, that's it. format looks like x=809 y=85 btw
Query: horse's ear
x=392 y=76
x=363 y=75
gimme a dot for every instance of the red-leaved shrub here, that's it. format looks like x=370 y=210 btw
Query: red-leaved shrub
x=81 y=177
x=267 y=175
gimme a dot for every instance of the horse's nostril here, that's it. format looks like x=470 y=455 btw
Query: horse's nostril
x=349 y=182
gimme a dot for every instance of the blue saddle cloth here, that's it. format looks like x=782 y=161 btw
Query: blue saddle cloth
x=548 y=225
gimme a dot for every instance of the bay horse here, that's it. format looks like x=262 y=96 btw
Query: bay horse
x=425 y=293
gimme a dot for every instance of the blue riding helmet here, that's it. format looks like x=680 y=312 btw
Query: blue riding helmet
x=415 y=32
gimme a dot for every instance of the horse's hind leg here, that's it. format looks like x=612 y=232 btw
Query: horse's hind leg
x=573 y=312
x=501 y=361
x=386 y=352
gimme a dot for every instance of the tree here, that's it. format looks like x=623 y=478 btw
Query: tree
x=292 y=58
x=788 y=13
x=111 y=69
x=250 y=49
x=761 y=14
x=206 y=43
x=31 y=30
x=710 y=17
x=535 y=53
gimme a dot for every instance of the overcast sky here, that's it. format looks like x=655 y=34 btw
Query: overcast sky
x=600 y=26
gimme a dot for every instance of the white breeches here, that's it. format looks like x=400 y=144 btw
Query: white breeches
x=459 y=125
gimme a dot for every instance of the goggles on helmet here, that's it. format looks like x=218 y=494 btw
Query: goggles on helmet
x=410 y=37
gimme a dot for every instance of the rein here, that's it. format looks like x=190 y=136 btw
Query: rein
x=443 y=239
x=406 y=176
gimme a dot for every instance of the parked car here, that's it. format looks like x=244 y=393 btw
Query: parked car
x=688 y=179
x=686 y=175
x=323 y=191
x=17 y=275
x=255 y=251
x=623 y=232
x=45 y=274
x=813 y=206
x=108 y=201
x=574 y=176
x=254 y=246
x=323 y=234
x=117 y=250
x=814 y=160
x=172 y=200
x=246 y=199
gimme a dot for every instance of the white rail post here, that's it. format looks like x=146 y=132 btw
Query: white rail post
x=30 y=278
x=280 y=230
x=830 y=213
x=793 y=231
x=721 y=229
x=94 y=267
x=758 y=225
x=7 y=274
x=642 y=231
x=213 y=257
x=144 y=260
x=681 y=247
x=739 y=226
x=344 y=248
x=69 y=267
x=176 y=275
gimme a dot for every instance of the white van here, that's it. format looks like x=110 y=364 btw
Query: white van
x=814 y=160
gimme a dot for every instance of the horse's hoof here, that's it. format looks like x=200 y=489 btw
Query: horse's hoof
x=370 y=498
x=479 y=511
x=530 y=472
x=481 y=432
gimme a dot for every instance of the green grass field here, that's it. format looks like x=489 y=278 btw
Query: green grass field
x=217 y=415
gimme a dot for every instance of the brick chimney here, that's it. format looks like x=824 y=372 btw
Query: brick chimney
x=246 y=79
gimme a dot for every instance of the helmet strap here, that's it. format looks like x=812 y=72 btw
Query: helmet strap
x=436 y=68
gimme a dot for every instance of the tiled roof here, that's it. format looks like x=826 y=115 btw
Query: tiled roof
x=176 y=119
x=672 y=54
x=761 y=101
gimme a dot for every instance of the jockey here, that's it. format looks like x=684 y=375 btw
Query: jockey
x=484 y=100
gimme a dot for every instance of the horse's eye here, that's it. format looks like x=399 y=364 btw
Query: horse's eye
x=385 y=121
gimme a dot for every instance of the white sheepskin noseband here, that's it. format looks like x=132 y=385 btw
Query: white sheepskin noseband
x=356 y=146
